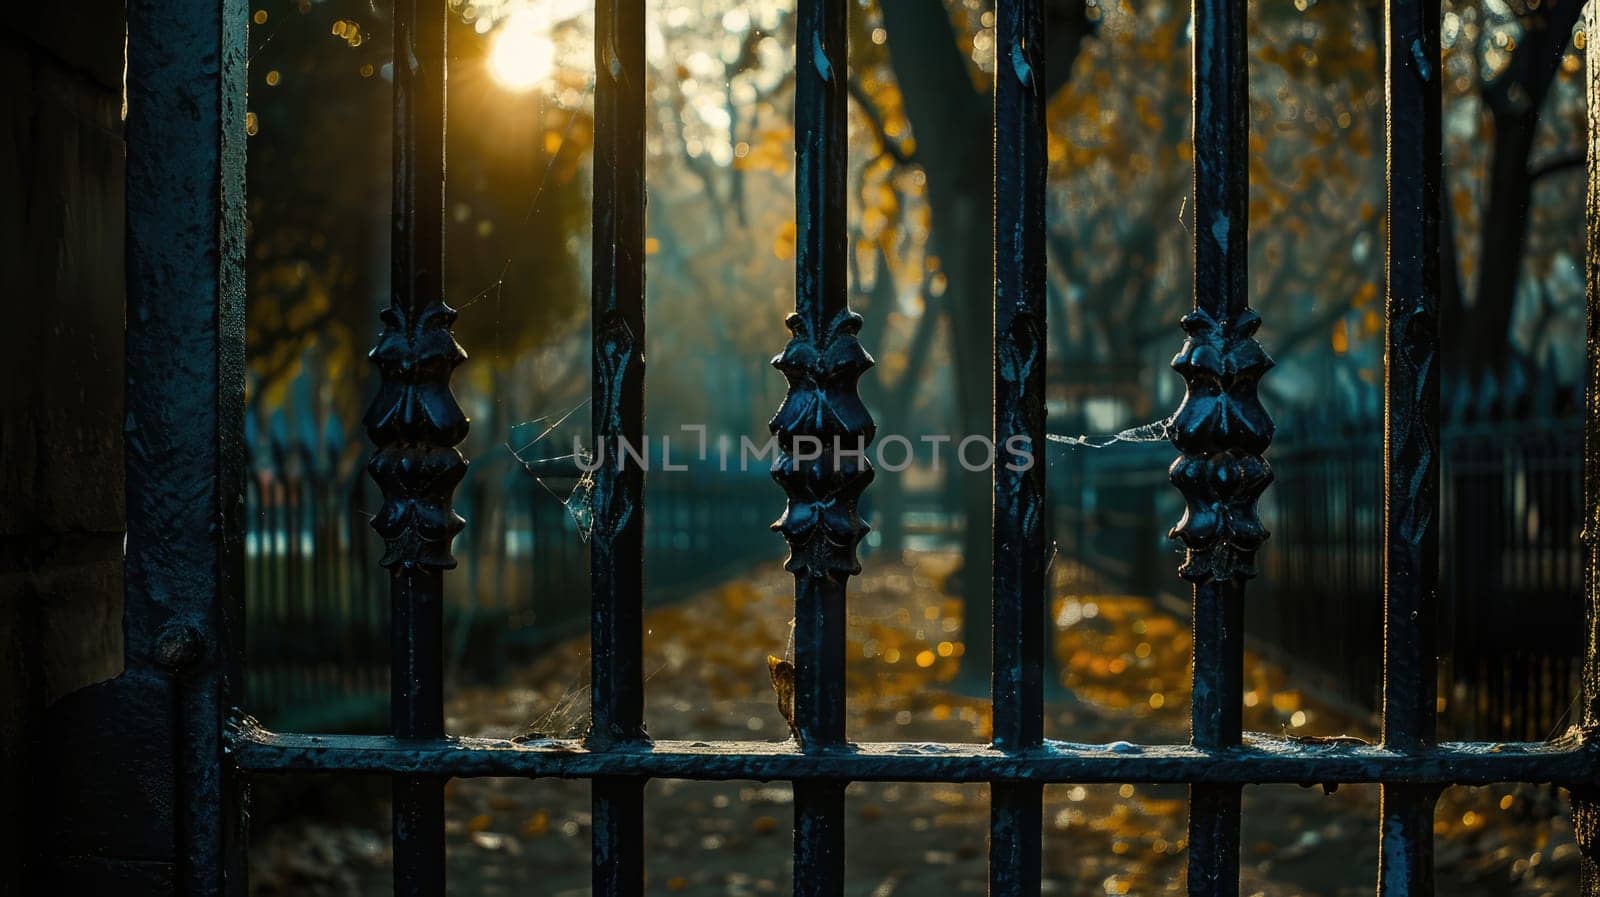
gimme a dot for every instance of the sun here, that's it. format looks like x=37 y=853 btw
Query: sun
x=521 y=53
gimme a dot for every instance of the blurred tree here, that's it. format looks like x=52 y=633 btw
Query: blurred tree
x=721 y=234
x=319 y=162
x=1510 y=56
x=1119 y=113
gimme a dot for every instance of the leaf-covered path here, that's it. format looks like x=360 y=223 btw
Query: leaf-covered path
x=1124 y=662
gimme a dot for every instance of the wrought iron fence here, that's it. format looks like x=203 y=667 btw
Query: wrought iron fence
x=316 y=606
x=174 y=709
x=1511 y=588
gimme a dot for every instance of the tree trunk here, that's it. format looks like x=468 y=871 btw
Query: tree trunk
x=970 y=276
x=894 y=405
x=1480 y=336
x=953 y=124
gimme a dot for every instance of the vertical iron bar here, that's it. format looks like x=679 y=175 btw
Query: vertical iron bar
x=1411 y=393
x=1220 y=428
x=617 y=414
x=823 y=361
x=1216 y=714
x=822 y=430
x=616 y=558
x=818 y=839
x=185 y=462
x=1016 y=838
x=415 y=424
x=618 y=855
x=1410 y=432
x=1021 y=592
x=1217 y=708
x=1586 y=802
x=1020 y=535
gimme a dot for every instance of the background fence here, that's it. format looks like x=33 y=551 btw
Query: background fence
x=1512 y=575
x=318 y=636
x=318 y=603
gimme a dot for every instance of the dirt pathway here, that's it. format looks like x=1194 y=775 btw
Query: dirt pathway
x=1126 y=663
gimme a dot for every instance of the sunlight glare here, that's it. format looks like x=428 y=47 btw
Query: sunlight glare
x=521 y=54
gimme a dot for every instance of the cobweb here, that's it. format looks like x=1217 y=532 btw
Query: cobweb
x=579 y=500
x=1156 y=431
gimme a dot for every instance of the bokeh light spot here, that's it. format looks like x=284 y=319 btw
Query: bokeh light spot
x=521 y=53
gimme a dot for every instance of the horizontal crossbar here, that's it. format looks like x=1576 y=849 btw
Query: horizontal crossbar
x=1571 y=760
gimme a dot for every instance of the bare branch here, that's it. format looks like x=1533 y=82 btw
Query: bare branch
x=1557 y=165
x=874 y=115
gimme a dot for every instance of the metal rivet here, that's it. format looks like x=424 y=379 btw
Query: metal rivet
x=178 y=647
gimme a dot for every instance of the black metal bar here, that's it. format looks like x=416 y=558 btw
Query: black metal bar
x=1216 y=712
x=616 y=548
x=1405 y=857
x=1020 y=533
x=1586 y=801
x=616 y=567
x=819 y=640
x=1217 y=709
x=1411 y=431
x=819 y=838
x=1260 y=759
x=415 y=424
x=1412 y=373
x=418 y=820
x=1411 y=379
x=1214 y=839
x=618 y=855
x=185 y=457
x=1016 y=838
x=1220 y=428
x=1021 y=546
x=416 y=680
x=822 y=430
x=822 y=427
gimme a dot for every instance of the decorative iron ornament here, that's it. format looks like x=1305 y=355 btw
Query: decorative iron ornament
x=615 y=519
x=415 y=423
x=617 y=417
x=1222 y=430
x=1021 y=538
x=824 y=417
